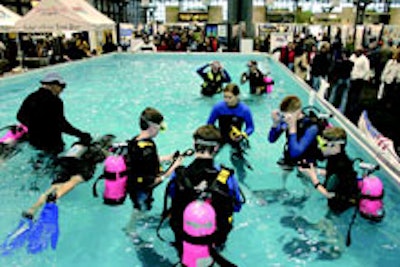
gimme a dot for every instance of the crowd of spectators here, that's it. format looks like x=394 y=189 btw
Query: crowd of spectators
x=350 y=78
x=185 y=39
x=41 y=50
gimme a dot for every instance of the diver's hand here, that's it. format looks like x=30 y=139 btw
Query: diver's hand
x=291 y=121
x=306 y=171
x=330 y=195
x=243 y=78
x=238 y=138
x=276 y=117
x=85 y=138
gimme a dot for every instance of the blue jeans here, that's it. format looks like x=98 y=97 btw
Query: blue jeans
x=344 y=84
x=315 y=82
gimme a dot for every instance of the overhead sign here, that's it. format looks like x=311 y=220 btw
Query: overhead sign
x=192 y=16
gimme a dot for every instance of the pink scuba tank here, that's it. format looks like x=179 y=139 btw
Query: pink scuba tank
x=115 y=175
x=371 y=199
x=199 y=220
x=14 y=134
x=269 y=84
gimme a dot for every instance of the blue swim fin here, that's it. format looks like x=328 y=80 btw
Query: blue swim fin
x=17 y=238
x=45 y=230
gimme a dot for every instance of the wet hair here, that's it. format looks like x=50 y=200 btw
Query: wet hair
x=150 y=115
x=233 y=88
x=252 y=63
x=207 y=138
x=334 y=134
x=290 y=103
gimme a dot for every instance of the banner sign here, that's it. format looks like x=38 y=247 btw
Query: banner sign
x=191 y=16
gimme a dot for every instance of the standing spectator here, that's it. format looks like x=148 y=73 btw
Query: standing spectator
x=109 y=45
x=384 y=56
x=291 y=55
x=319 y=67
x=2 y=49
x=341 y=81
x=301 y=62
x=391 y=80
x=360 y=75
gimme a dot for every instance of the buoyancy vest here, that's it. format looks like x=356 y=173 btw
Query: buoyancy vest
x=311 y=152
x=142 y=162
x=210 y=185
x=212 y=83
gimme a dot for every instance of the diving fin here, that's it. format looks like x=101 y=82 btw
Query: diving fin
x=45 y=230
x=18 y=237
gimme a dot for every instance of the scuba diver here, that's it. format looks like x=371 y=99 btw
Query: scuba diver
x=43 y=113
x=205 y=182
x=341 y=178
x=364 y=192
x=231 y=114
x=143 y=162
x=256 y=79
x=301 y=148
x=213 y=79
x=76 y=166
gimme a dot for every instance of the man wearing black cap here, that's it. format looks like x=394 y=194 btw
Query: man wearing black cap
x=43 y=113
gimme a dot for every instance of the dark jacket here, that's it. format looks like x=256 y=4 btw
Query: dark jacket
x=43 y=113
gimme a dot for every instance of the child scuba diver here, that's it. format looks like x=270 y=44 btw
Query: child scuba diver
x=202 y=182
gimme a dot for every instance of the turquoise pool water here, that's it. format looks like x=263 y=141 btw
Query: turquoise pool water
x=275 y=228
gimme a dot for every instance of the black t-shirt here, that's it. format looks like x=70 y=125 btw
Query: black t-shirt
x=43 y=114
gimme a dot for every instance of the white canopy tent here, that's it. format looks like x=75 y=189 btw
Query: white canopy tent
x=7 y=19
x=65 y=15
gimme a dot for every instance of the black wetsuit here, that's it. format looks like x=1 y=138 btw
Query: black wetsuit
x=341 y=179
x=144 y=166
x=43 y=113
x=256 y=79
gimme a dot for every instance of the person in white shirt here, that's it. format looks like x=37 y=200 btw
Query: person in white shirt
x=360 y=75
x=391 y=80
x=361 y=69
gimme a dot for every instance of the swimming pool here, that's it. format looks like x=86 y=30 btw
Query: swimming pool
x=275 y=228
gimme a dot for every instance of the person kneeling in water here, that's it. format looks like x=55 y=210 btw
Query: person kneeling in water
x=76 y=166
